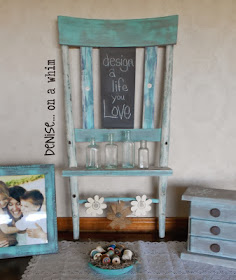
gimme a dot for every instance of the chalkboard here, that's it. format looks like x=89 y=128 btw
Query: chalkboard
x=117 y=87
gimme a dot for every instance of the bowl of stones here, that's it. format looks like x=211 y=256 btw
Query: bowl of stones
x=112 y=260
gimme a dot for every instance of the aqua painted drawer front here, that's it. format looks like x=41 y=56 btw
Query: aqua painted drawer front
x=212 y=226
x=217 y=230
x=215 y=212
x=220 y=248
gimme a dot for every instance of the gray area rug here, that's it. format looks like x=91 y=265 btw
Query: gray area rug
x=157 y=260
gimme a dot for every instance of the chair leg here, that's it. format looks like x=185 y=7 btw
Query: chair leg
x=75 y=206
x=162 y=205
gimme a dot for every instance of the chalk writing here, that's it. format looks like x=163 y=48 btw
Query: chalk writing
x=121 y=62
x=117 y=87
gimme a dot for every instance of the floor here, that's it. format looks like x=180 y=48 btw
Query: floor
x=12 y=269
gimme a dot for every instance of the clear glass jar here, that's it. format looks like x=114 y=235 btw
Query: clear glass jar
x=93 y=157
x=143 y=155
x=128 y=152
x=111 y=153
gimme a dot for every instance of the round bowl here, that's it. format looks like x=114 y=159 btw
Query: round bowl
x=111 y=272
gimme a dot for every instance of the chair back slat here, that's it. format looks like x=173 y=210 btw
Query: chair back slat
x=101 y=135
x=117 y=33
x=68 y=108
x=166 y=107
x=149 y=86
x=87 y=87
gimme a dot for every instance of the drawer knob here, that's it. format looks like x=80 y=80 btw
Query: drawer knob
x=215 y=212
x=215 y=230
x=215 y=248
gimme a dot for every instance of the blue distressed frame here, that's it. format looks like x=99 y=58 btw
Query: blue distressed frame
x=52 y=246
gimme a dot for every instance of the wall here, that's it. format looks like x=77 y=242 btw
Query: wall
x=203 y=104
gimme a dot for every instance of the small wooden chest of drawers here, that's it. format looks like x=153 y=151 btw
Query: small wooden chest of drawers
x=212 y=226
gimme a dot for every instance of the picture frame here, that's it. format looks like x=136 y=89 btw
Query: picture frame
x=28 y=206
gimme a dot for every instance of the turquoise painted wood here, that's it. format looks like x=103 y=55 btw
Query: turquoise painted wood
x=52 y=245
x=206 y=228
x=117 y=33
x=149 y=86
x=111 y=272
x=74 y=192
x=162 y=205
x=68 y=108
x=203 y=246
x=212 y=225
x=101 y=135
x=201 y=194
x=87 y=33
x=71 y=151
x=166 y=107
x=87 y=87
x=164 y=155
x=203 y=210
x=117 y=172
x=116 y=199
x=230 y=263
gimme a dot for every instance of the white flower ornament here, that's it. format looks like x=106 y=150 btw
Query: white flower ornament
x=141 y=205
x=95 y=206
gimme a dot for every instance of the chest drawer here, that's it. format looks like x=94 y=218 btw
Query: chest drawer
x=213 y=229
x=220 y=248
x=216 y=212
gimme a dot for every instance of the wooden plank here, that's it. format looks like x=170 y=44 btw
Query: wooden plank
x=87 y=87
x=206 y=229
x=162 y=205
x=70 y=139
x=117 y=172
x=74 y=192
x=230 y=263
x=117 y=33
x=68 y=108
x=189 y=231
x=202 y=245
x=116 y=199
x=140 y=224
x=101 y=135
x=166 y=107
x=210 y=195
x=213 y=211
x=149 y=86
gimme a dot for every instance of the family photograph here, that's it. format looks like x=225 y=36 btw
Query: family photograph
x=23 y=218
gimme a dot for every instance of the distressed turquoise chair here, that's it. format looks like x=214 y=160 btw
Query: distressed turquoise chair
x=86 y=34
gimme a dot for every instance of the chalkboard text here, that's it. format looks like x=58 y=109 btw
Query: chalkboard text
x=121 y=62
x=117 y=86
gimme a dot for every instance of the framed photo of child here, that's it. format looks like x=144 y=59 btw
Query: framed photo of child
x=28 y=224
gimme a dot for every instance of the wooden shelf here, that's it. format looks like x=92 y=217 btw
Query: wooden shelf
x=101 y=135
x=152 y=171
